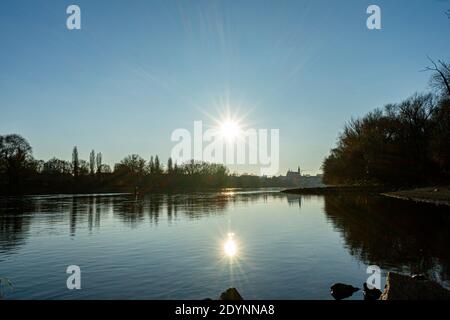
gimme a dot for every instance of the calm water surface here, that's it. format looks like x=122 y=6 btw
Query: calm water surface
x=172 y=246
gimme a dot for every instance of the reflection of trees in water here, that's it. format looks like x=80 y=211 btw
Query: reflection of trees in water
x=296 y=200
x=17 y=215
x=392 y=233
x=379 y=231
x=14 y=226
x=86 y=210
x=128 y=209
x=193 y=206
x=134 y=210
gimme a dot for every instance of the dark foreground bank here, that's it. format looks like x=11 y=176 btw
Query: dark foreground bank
x=438 y=195
x=434 y=195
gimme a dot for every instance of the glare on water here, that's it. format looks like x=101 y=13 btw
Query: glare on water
x=230 y=247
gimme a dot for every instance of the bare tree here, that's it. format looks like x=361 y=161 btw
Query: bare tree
x=15 y=153
x=133 y=164
x=440 y=80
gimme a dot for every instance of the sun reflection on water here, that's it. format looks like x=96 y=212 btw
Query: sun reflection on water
x=230 y=246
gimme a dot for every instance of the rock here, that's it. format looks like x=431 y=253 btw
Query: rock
x=230 y=294
x=371 y=294
x=341 y=291
x=400 y=287
x=419 y=277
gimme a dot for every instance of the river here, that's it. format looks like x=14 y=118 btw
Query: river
x=267 y=244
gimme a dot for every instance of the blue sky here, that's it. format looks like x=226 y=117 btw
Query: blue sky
x=137 y=70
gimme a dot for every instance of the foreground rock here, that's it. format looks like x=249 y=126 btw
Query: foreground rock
x=230 y=294
x=341 y=291
x=371 y=293
x=400 y=287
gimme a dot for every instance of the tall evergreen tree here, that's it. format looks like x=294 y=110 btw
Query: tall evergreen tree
x=99 y=162
x=92 y=163
x=170 y=166
x=158 y=167
x=75 y=162
x=151 y=166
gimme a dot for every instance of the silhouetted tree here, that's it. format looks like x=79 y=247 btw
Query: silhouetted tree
x=99 y=163
x=92 y=163
x=169 y=166
x=75 y=162
x=158 y=167
x=15 y=154
x=396 y=145
x=133 y=164
x=440 y=80
x=440 y=142
x=84 y=168
x=105 y=168
x=131 y=174
x=151 y=166
x=56 y=166
x=39 y=166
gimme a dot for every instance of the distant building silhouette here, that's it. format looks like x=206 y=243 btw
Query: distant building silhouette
x=296 y=178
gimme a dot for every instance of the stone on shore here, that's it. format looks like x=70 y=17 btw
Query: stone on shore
x=341 y=291
x=230 y=294
x=400 y=287
x=371 y=293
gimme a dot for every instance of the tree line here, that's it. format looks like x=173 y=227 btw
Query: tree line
x=401 y=144
x=20 y=173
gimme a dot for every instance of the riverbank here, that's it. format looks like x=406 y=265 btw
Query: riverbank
x=338 y=190
x=434 y=195
x=402 y=287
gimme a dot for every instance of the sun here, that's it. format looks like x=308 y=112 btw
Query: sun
x=229 y=129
